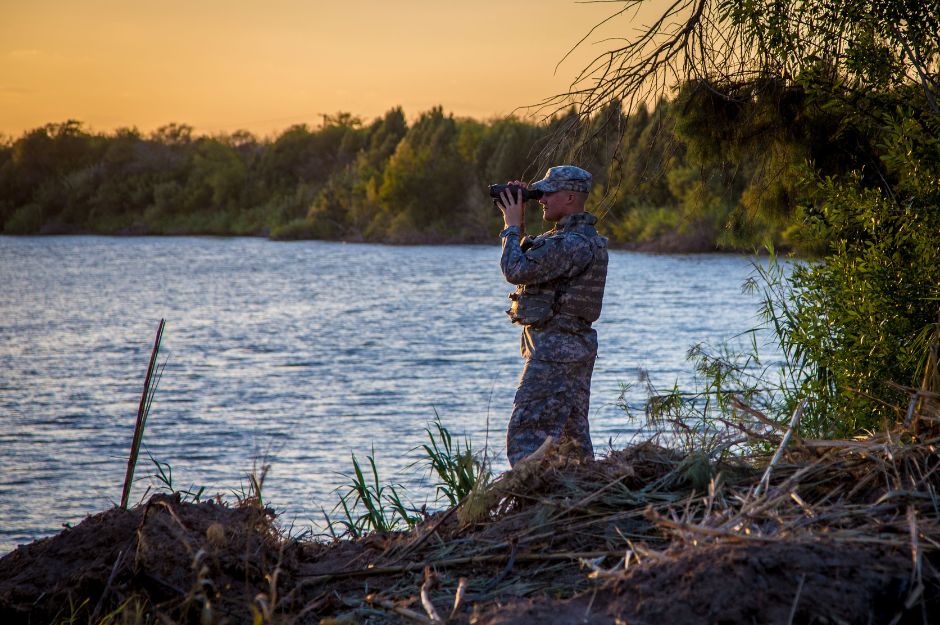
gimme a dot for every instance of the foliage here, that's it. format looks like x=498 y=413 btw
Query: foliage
x=422 y=180
x=729 y=44
x=382 y=507
x=851 y=328
x=815 y=125
x=383 y=181
x=369 y=505
x=254 y=494
x=163 y=476
x=455 y=466
x=865 y=317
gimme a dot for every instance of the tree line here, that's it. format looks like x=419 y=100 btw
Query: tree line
x=662 y=181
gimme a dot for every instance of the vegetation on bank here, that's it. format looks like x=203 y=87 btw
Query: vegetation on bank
x=828 y=116
x=663 y=180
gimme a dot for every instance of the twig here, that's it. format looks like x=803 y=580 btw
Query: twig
x=757 y=414
x=754 y=509
x=796 y=599
x=835 y=444
x=417 y=566
x=426 y=603
x=917 y=585
x=390 y=605
x=591 y=497
x=502 y=574
x=709 y=531
x=107 y=587
x=794 y=421
x=458 y=597
x=434 y=527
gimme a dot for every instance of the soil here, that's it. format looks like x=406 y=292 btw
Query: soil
x=171 y=561
x=736 y=584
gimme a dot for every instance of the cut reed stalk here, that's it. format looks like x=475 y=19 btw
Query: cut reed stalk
x=479 y=559
x=403 y=611
x=146 y=398
x=794 y=422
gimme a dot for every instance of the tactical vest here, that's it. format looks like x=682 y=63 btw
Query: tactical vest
x=582 y=295
x=579 y=296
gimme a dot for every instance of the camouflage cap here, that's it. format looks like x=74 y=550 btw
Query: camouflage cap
x=564 y=177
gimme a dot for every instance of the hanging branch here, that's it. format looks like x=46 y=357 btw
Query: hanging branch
x=728 y=44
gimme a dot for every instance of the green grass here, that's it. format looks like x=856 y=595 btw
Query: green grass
x=163 y=475
x=455 y=466
x=370 y=505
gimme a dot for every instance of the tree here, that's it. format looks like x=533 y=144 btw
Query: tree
x=422 y=184
x=839 y=100
x=728 y=43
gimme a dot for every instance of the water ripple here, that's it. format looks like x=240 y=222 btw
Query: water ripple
x=297 y=354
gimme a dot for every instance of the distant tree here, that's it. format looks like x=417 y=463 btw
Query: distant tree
x=424 y=180
x=173 y=134
x=216 y=177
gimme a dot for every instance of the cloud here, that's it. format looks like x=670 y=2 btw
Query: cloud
x=11 y=90
x=24 y=53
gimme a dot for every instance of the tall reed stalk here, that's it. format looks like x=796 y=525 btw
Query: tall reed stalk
x=143 y=409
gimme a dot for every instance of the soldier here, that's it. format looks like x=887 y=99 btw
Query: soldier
x=559 y=277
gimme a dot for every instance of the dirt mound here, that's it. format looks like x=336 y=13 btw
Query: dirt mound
x=740 y=583
x=837 y=532
x=178 y=557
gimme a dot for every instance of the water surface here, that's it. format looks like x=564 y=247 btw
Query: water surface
x=297 y=355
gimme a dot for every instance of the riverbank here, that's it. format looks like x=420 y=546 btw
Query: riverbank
x=838 y=532
x=670 y=244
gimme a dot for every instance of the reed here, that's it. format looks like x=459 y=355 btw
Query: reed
x=369 y=505
x=254 y=494
x=163 y=474
x=146 y=399
x=457 y=468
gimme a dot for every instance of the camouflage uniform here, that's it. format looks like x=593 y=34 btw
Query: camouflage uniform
x=569 y=264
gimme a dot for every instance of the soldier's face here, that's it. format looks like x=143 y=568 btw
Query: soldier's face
x=554 y=205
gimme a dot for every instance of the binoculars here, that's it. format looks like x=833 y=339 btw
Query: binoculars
x=496 y=190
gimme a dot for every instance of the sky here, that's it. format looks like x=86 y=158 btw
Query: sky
x=224 y=65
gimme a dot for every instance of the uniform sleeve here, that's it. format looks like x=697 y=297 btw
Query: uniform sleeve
x=547 y=259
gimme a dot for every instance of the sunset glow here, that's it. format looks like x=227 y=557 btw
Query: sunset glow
x=226 y=65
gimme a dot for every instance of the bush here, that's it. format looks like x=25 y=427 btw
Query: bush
x=857 y=327
x=26 y=219
x=296 y=230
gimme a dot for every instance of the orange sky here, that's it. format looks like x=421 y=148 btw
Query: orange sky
x=221 y=65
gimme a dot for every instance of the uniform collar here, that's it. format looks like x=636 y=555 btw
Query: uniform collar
x=569 y=221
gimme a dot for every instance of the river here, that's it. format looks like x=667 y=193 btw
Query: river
x=296 y=355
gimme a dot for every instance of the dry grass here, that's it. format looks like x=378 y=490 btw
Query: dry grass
x=557 y=529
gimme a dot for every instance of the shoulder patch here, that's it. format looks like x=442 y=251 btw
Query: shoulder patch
x=539 y=247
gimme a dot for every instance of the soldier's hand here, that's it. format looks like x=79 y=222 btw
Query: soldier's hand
x=513 y=206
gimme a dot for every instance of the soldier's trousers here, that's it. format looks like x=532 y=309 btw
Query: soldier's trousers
x=552 y=399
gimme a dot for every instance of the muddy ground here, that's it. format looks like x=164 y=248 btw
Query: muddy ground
x=563 y=542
